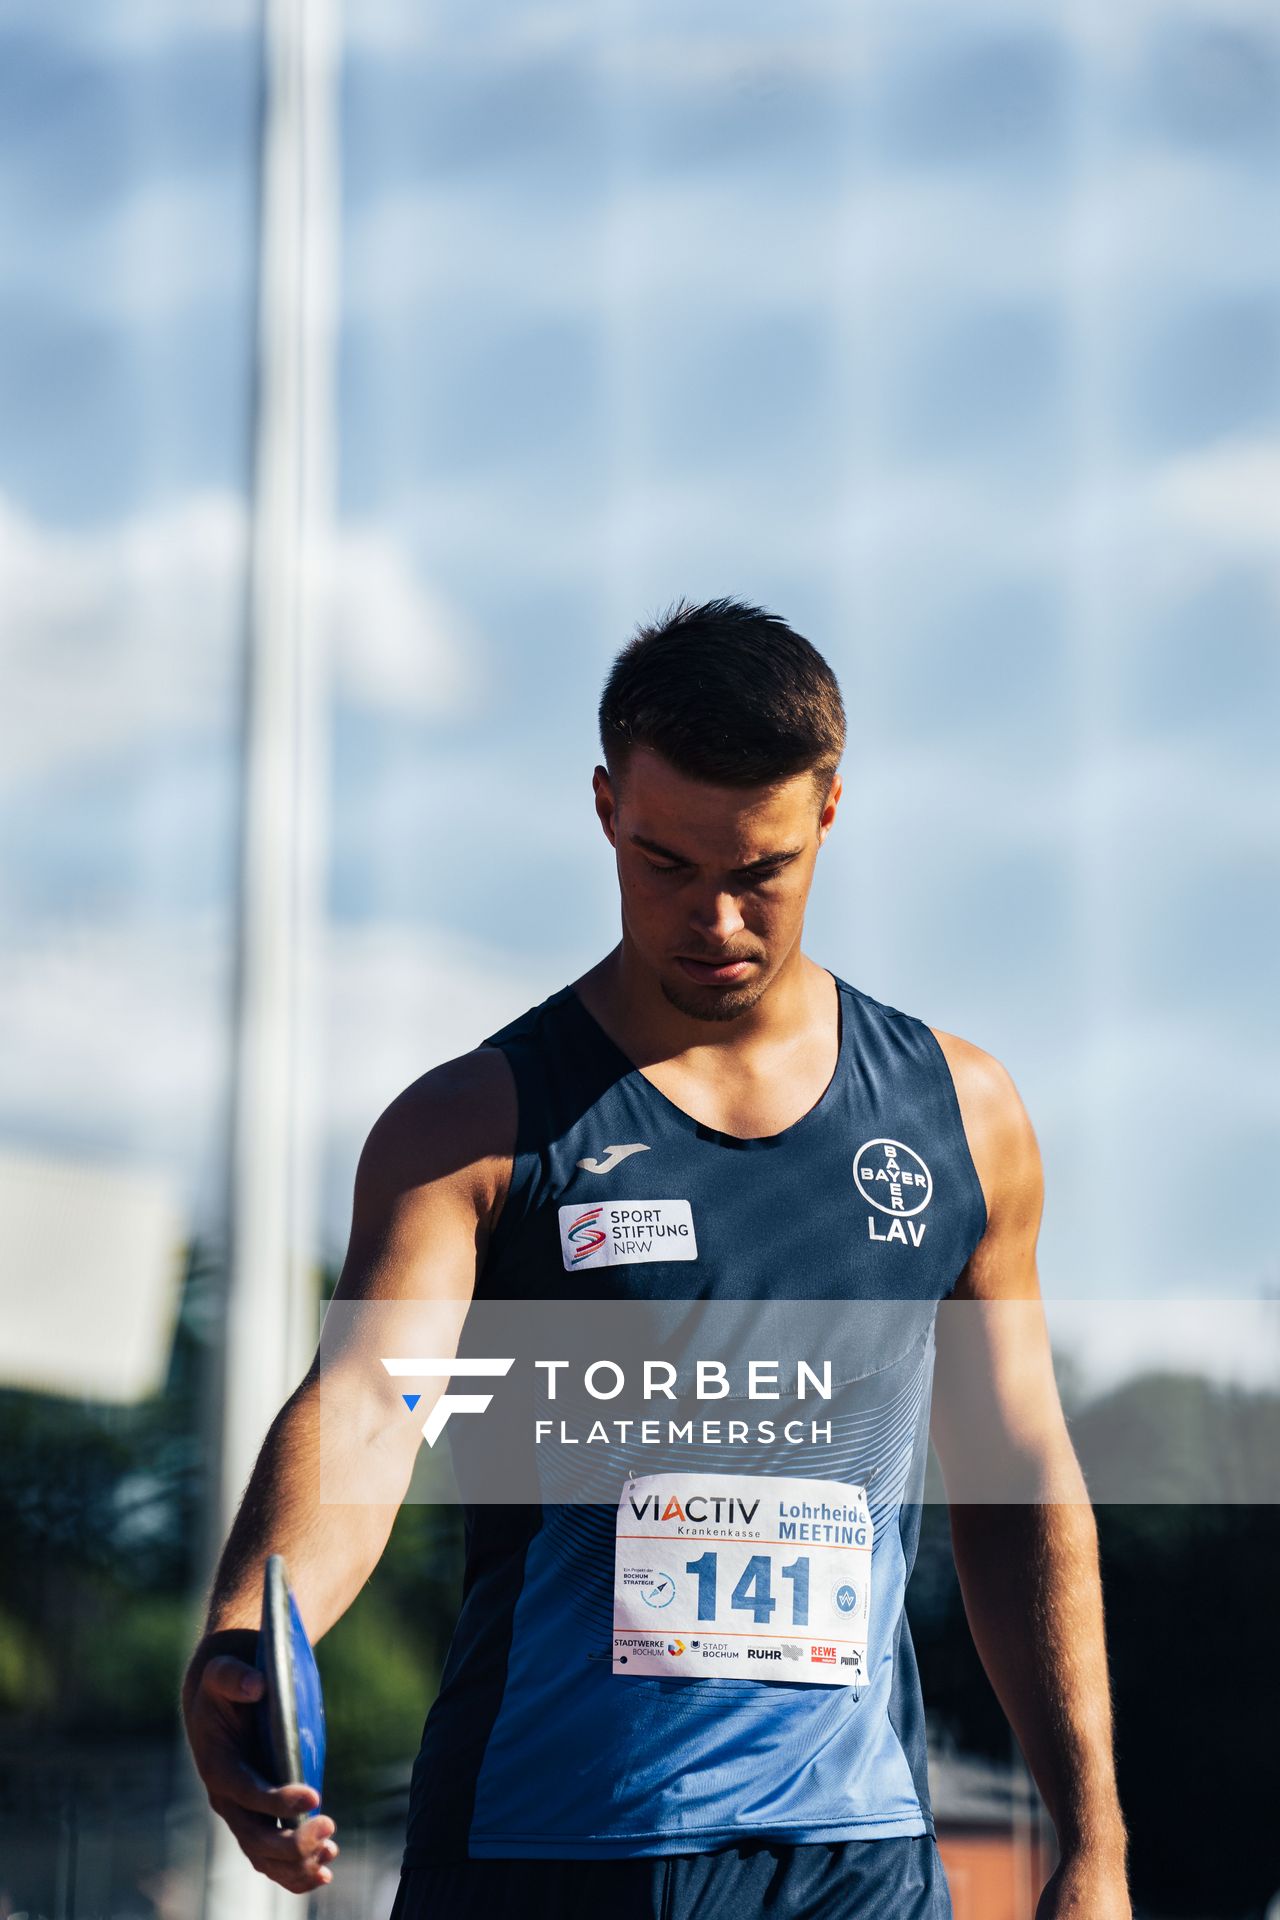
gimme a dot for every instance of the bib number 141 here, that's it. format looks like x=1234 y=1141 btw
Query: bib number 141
x=752 y=1592
x=744 y=1577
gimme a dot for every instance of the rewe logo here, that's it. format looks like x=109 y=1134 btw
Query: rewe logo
x=613 y=1156
x=436 y=1368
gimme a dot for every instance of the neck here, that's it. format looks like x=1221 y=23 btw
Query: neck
x=626 y=996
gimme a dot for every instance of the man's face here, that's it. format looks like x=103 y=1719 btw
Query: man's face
x=714 y=880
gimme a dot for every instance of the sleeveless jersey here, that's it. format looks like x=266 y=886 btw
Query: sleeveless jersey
x=534 y=1746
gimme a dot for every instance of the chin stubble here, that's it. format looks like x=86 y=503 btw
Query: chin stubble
x=713 y=1003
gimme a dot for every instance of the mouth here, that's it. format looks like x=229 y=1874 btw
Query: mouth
x=714 y=973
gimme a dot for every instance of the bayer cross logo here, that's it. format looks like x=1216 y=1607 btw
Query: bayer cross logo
x=436 y=1367
x=892 y=1177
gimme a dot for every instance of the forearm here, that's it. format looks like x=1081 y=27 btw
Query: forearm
x=1030 y=1579
x=330 y=1549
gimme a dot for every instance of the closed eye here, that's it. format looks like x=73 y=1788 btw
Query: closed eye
x=746 y=876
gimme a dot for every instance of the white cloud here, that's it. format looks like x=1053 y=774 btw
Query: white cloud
x=876 y=254
x=757 y=49
x=900 y=534
x=1101 y=27
x=116 y=1037
x=114 y=1040
x=112 y=635
x=116 y=1044
x=399 y=1000
x=400 y=29
x=1163 y=531
x=1139 y=535
x=397 y=642
x=1173 y=222
x=1098 y=27
x=1228 y=494
x=1178 y=799
x=116 y=635
x=131 y=27
x=782 y=51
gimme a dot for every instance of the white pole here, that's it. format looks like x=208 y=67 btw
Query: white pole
x=271 y=1307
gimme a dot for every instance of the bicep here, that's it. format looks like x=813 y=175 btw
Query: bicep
x=430 y=1183
x=428 y=1189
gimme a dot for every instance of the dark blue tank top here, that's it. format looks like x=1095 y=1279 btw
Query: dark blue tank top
x=534 y=1746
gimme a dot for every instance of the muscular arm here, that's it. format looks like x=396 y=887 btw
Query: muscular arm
x=429 y=1186
x=1025 y=1541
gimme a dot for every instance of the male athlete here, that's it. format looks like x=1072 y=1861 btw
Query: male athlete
x=708 y=1057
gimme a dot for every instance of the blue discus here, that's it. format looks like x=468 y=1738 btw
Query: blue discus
x=291 y=1713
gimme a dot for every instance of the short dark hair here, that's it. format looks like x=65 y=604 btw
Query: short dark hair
x=727 y=693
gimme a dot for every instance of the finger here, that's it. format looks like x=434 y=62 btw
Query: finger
x=308 y=1883
x=313 y=1839
x=231 y=1779
x=302 y=1876
x=272 y=1851
x=292 y=1853
x=231 y=1679
x=296 y=1881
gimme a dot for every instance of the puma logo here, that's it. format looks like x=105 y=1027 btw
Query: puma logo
x=612 y=1155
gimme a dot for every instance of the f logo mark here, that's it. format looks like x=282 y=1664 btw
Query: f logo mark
x=442 y=1369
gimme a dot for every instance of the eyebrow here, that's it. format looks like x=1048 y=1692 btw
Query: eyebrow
x=765 y=859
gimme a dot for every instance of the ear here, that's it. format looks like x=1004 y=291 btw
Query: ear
x=826 y=819
x=606 y=803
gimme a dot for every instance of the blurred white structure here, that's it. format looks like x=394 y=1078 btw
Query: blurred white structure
x=271 y=1315
x=90 y=1264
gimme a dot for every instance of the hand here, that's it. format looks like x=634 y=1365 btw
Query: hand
x=1086 y=1886
x=218 y=1698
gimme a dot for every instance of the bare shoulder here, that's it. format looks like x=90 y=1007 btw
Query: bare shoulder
x=453 y=1127
x=1001 y=1137
x=984 y=1086
x=431 y=1181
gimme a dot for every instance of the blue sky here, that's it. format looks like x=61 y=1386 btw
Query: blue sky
x=951 y=332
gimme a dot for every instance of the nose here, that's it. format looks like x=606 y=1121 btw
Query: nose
x=717 y=919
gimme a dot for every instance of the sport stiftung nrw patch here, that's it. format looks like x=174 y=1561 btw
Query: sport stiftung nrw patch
x=617 y=1231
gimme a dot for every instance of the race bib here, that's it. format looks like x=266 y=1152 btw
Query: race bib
x=752 y=1577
